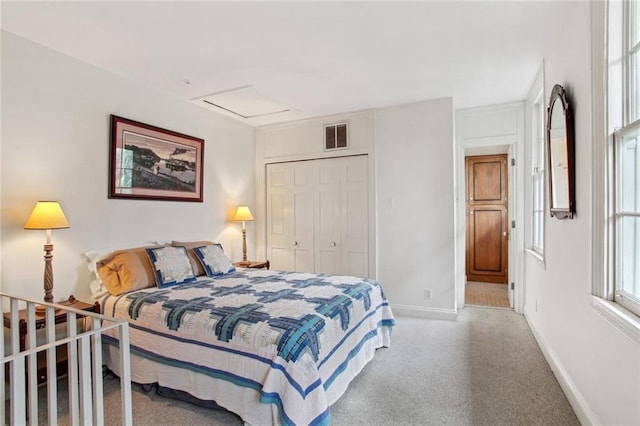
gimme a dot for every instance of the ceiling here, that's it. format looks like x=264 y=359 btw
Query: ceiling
x=308 y=58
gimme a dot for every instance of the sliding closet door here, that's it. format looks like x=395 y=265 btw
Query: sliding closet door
x=279 y=198
x=290 y=216
x=302 y=213
x=318 y=216
x=327 y=225
x=354 y=194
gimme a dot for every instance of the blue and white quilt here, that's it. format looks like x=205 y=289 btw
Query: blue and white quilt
x=274 y=347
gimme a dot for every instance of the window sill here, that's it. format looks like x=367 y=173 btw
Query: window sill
x=619 y=317
x=537 y=255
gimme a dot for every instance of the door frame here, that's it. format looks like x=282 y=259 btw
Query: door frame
x=513 y=146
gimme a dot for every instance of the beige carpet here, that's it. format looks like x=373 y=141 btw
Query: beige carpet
x=486 y=294
x=485 y=368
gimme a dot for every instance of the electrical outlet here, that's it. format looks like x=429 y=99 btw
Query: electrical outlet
x=427 y=294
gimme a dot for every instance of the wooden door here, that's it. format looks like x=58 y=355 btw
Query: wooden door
x=487 y=219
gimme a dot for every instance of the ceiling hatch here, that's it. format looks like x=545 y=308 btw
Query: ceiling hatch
x=245 y=101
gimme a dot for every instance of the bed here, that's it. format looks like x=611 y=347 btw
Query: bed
x=273 y=347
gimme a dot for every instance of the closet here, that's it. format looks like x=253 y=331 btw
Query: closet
x=318 y=215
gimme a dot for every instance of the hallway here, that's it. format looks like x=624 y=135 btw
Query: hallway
x=486 y=294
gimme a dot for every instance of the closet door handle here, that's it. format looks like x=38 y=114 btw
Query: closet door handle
x=333 y=244
x=295 y=243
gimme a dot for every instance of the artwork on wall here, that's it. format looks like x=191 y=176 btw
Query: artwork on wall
x=151 y=163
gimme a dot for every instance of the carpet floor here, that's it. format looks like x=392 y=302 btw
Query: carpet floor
x=483 y=369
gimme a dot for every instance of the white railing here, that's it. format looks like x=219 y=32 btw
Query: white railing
x=40 y=340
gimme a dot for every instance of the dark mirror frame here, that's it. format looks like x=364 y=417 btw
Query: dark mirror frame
x=558 y=94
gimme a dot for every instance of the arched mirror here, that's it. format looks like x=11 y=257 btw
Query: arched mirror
x=560 y=154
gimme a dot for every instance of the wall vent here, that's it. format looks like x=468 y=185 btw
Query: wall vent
x=336 y=136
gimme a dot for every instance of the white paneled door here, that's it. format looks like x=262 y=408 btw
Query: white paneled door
x=318 y=216
x=355 y=218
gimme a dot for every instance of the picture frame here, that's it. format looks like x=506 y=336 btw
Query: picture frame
x=151 y=163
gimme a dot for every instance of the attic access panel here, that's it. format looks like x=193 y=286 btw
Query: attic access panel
x=245 y=102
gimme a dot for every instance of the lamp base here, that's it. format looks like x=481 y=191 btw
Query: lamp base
x=48 y=273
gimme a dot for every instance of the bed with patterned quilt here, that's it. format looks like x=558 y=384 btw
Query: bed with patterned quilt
x=273 y=347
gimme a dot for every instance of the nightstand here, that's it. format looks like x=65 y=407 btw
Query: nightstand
x=254 y=264
x=60 y=318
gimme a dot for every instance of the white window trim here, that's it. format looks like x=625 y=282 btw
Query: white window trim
x=536 y=255
x=536 y=93
x=602 y=260
x=537 y=251
x=621 y=318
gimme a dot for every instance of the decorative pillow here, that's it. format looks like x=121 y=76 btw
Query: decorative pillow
x=189 y=245
x=213 y=259
x=171 y=266
x=126 y=270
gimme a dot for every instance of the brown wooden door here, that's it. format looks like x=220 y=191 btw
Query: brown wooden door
x=487 y=219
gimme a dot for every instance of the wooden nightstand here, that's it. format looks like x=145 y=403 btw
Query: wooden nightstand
x=60 y=318
x=254 y=264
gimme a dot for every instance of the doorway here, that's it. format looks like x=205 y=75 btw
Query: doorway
x=487 y=231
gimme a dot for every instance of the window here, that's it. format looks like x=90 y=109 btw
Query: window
x=634 y=60
x=537 y=174
x=627 y=217
x=624 y=171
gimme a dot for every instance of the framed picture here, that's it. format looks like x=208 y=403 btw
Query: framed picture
x=151 y=163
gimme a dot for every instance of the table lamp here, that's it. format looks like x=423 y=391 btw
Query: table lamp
x=243 y=214
x=47 y=215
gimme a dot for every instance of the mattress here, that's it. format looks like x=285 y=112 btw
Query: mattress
x=273 y=347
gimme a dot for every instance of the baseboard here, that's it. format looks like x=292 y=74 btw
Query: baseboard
x=422 y=312
x=584 y=413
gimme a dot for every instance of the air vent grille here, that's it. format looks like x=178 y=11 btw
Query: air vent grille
x=336 y=136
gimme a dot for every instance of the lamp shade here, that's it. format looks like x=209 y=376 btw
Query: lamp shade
x=47 y=215
x=243 y=214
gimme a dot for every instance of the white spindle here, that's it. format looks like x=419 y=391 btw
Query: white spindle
x=72 y=373
x=32 y=364
x=52 y=389
x=86 y=404
x=3 y=414
x=125 y=375
x=84 y=358
x=96 y=350
x=18 y=391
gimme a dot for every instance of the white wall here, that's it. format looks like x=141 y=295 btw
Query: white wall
x=414 y=206
x=55 y=145
x=597 y=365
x=410 y=149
